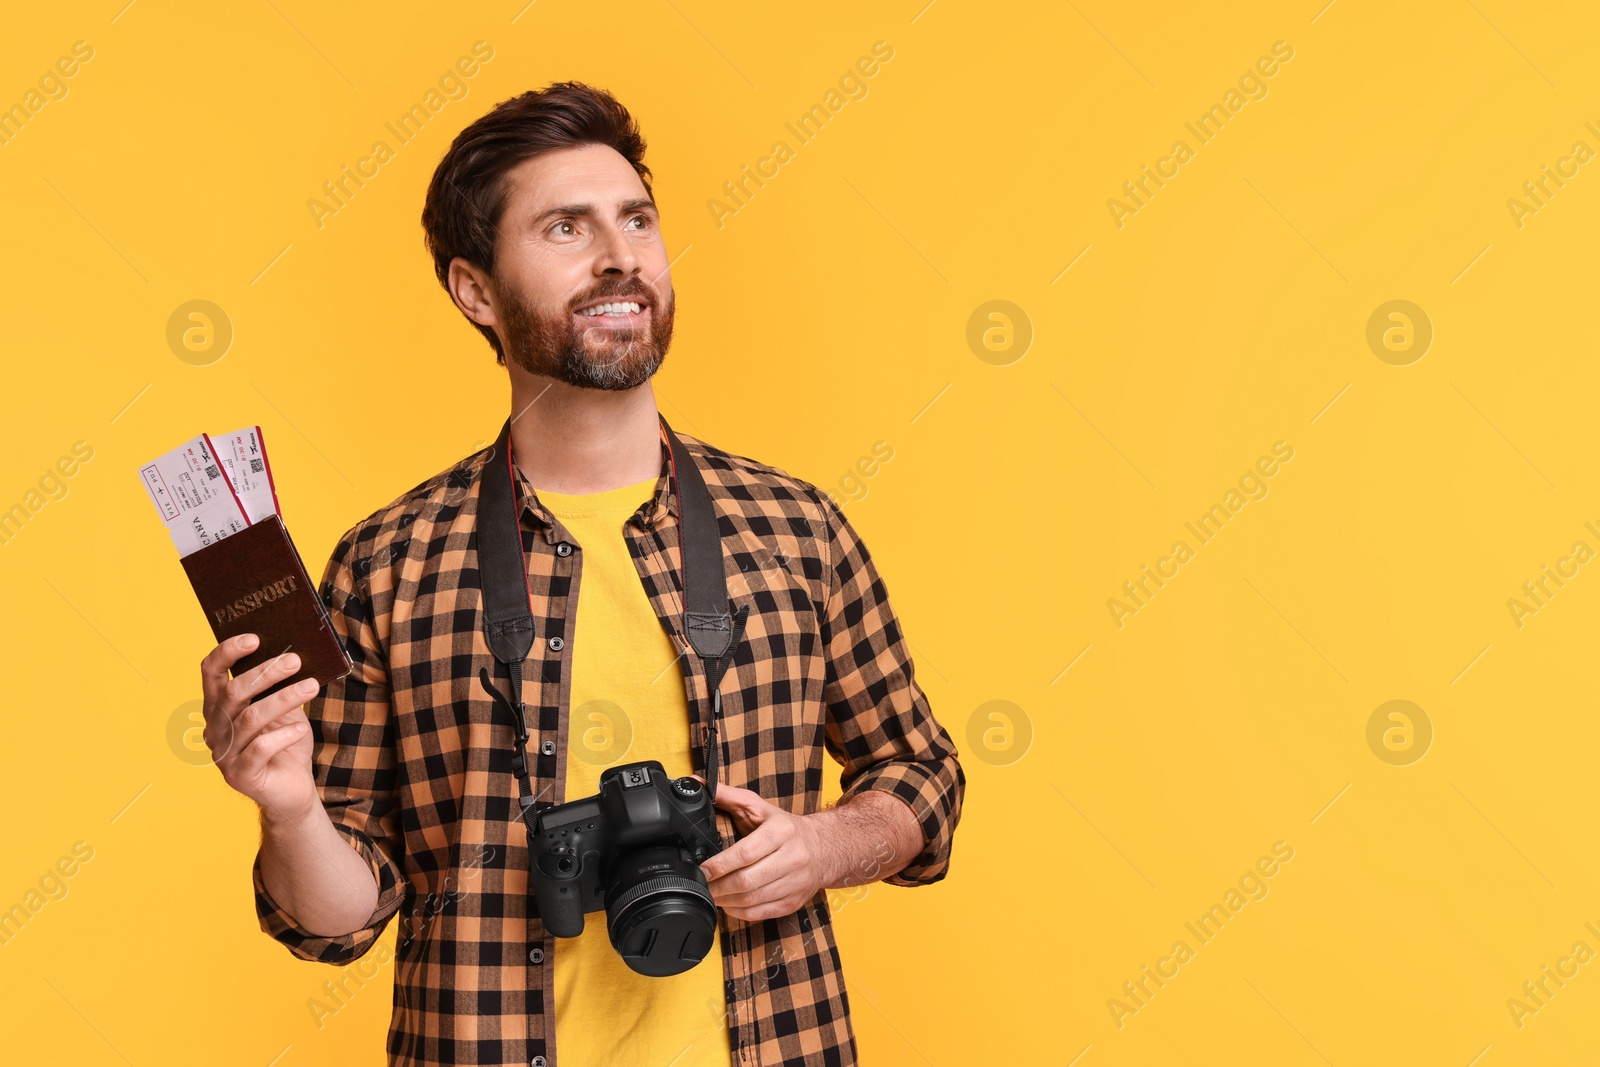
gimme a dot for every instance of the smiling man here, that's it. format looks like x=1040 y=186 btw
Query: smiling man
x=394 y=792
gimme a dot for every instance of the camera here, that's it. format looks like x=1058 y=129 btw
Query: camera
x=634 y=849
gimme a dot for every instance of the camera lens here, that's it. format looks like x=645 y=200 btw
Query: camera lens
x=659 y=911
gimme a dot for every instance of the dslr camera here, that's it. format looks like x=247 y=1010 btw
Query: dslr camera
x=634 y=849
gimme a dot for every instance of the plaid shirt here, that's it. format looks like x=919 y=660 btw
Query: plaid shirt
x=413 y=760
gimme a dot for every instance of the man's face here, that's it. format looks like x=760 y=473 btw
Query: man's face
x=579 y=232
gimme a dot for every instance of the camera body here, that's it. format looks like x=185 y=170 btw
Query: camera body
x=634 y=849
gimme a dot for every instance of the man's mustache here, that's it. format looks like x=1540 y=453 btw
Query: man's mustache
x=637 y=291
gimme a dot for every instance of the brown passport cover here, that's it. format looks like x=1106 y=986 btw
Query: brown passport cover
x=254 y=582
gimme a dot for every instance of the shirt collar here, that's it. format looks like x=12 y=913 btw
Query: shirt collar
x=650 y=514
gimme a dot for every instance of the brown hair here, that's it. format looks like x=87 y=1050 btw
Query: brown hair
x=467 y=196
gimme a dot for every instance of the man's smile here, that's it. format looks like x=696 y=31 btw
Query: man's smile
x=615 y=312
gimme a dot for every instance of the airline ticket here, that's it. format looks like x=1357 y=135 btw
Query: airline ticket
x=244 y=460
x=191 y=490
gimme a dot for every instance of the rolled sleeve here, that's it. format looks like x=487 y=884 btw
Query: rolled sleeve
x=353 y=762
x=880 y=727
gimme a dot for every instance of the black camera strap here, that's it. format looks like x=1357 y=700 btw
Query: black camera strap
x=508 y=604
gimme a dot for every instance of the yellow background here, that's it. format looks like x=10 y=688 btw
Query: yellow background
x=831 y=313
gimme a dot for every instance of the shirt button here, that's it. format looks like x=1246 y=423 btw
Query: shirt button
x=537 y=1061
x=556 y=644
x=536 y=956
x=563 y=549
x=549 y=749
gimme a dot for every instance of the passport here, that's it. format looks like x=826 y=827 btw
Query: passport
x=253 y=581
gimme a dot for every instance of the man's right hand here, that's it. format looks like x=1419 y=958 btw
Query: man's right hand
x=262 y=747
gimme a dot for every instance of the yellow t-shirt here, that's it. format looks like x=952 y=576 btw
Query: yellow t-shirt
x=627 y=704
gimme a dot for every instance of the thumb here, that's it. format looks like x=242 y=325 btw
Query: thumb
x=732 y=798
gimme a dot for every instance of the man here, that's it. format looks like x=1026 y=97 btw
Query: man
x=393 y=792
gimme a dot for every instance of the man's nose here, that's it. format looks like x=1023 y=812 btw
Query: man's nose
x=616 y=252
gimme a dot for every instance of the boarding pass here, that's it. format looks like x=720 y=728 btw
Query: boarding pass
x=197 y=500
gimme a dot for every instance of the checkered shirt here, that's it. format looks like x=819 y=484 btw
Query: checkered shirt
x=413 y=760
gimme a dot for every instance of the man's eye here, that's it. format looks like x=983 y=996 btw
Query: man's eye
x=558 y=226
x=644 y=219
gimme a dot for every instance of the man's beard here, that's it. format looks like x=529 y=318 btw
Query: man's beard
x=557 y=345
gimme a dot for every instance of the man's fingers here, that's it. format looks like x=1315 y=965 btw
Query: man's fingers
x=258 y=753
x=733 y=798
x=755 y=878
x=765 y=911
x=747 y=809
x=238 y=693
x=214 y=667
x=742 y=853
x=776 y=908
x=271 y=712
x=779 y=889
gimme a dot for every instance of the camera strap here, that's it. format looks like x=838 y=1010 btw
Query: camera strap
x=711 y=630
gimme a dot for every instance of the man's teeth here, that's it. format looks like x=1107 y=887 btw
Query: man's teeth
x=612 y=309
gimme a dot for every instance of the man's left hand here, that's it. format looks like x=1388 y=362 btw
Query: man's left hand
x=777 y=865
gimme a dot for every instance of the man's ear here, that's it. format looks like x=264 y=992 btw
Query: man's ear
x=472 y=291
